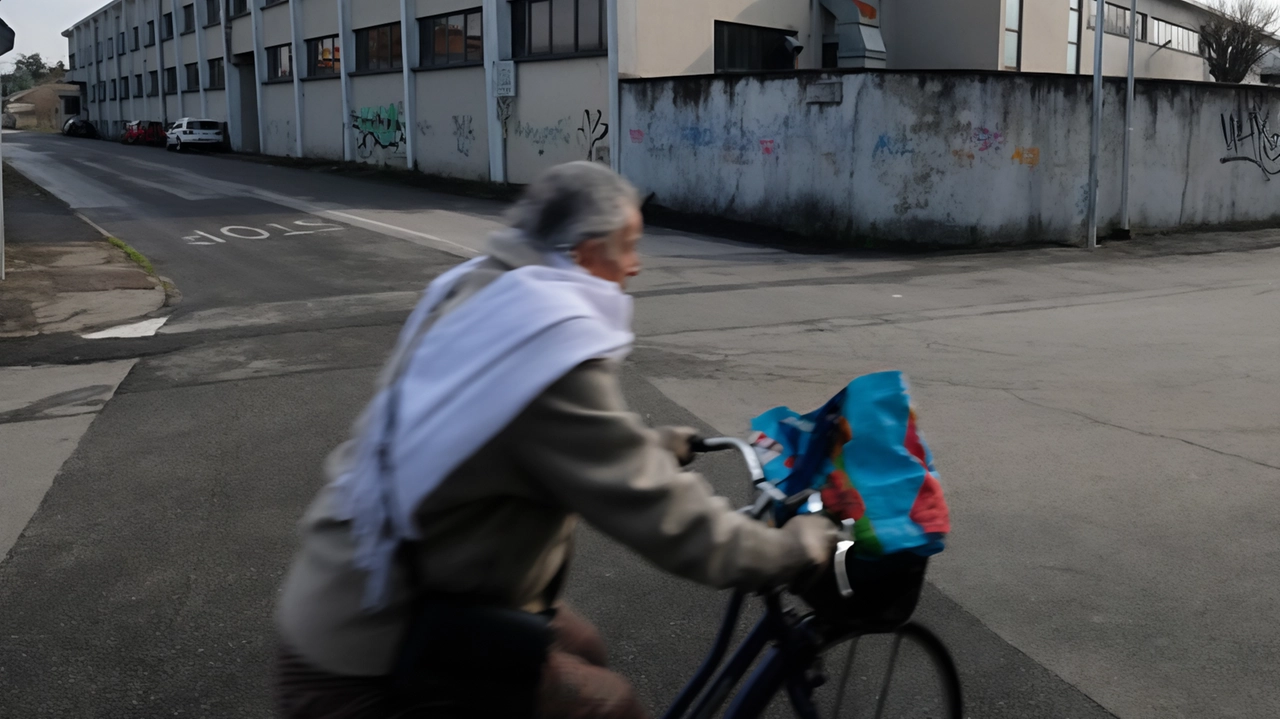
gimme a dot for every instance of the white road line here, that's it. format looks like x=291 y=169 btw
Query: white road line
x=145 y=328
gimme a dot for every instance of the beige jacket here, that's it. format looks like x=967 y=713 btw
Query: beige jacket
x=499 y=528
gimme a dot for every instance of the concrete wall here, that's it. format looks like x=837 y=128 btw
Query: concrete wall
x=560 y=114
x=319 y=18
x=943 y=158
x=279 y=131
x=451 y=135
x=322 y=122
x=942 y=34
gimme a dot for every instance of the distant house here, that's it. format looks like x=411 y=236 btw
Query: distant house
x=43 y=107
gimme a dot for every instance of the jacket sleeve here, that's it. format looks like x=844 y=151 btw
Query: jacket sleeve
x=580 y=443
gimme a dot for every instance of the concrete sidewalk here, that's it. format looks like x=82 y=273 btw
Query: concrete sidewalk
x=61 y=274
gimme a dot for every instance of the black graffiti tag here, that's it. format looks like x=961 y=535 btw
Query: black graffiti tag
x=593 y=130
x=1250 y=140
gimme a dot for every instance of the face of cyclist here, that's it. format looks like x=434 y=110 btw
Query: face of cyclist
x=616 y=257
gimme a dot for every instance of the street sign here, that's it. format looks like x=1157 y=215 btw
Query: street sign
x=6 y=37
x=504 y=78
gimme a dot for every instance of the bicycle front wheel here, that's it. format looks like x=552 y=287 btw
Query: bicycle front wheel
x=907 y=674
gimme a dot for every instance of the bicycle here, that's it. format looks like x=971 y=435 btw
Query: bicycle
x=856 y=599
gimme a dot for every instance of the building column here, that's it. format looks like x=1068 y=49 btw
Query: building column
x=408 y=60
x=159 y=46
x=202 y=71
x=231 y=82
x=177 y=59
x=299 y=61
x=346 y=45
x=490 y=18
x=259 y=69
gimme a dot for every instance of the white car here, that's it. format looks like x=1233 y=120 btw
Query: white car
x=191 y=132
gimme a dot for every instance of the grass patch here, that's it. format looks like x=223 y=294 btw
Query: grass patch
x=138 y=258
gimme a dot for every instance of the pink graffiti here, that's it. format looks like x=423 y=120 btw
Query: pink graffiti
x=987 y=139
x=766 y=146
x=637 y=135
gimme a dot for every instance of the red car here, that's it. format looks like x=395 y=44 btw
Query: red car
x=143 y=132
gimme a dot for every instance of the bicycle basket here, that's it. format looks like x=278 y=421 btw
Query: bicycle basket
x=885 y=592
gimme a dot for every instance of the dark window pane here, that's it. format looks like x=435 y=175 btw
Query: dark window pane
x=475 y=38
x=589 y=25
x=540 y=27
x=396 y=59
x=519 y=29
x=562 y=26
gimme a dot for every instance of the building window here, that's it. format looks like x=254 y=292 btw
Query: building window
x=1115 y=20
x=120 y=43
x=192 y=70
x=71 y=61
x=323 y=56
x=279 y=62
x=98 y=52
x=557 y=27
x=137 y=85
x=153 y=84
x=747 y=48
x=188 y=19
x=90 y=92
x=111 y=48
x=134 y=45
x=113 y=90
x=1177 y=37
x=1073 y=37
x=378 y=48
x=239 y=7
x=102 y=91
x=217 y=75
x=124 y=88
x=1012 y=34
x=71 y=104
x=212 y=12
x=166 y=26
x=171 y=81
x=269 y=3
x=450 y=39
x=151 y=33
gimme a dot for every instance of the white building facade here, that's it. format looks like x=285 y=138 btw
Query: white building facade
x=497 y=90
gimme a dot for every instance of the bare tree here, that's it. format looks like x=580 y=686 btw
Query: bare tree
x=1237 y=37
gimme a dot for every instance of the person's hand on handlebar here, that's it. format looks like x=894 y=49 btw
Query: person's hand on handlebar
x=818 y=535
x=679 y=441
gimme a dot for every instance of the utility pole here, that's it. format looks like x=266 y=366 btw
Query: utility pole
x=6 y=44
x=1128 y=124
x=1095 y=128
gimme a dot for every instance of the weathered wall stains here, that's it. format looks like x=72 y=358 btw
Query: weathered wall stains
x=379 y=131
x=463 y=134
x=940 y=158
x=542 y=137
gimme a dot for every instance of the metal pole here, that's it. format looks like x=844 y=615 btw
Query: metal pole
x=1128 y=123
x=1095 y=128
x=2 y=186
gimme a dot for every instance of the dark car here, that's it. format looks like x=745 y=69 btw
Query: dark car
x=78 y=127
x=143 y=132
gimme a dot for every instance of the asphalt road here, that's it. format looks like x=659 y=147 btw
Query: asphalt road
x=1105 y=425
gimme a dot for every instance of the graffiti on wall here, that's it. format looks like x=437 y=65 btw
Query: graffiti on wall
x=463 y=134
x=379 y=129
x=592 y=131
x=1249 y=139
x=541 y=137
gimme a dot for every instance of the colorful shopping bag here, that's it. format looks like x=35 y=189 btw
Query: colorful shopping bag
x=864 y=455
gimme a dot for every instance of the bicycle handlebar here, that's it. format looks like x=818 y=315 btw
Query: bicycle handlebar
x=768 y=492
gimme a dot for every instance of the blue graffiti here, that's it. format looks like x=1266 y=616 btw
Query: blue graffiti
x=697 y=136
x=890 y=146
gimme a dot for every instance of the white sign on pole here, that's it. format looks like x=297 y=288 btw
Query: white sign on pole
x=504 y=78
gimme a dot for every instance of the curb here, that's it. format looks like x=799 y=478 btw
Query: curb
x=171 y=294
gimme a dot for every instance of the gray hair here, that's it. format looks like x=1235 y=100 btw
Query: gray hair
x=572 y=203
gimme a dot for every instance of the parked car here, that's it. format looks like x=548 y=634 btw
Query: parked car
x=192 y=132
x=143 y=132
x=79 y=127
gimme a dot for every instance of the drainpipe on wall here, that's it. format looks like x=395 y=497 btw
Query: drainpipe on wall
x=296 y=47
x=259 y=70
x=177 y=61
x=344 y=62
x=615 y=109
x=408 y=46
x=815 y=34
x=1095 y=127
x=159 y=45
x=858 y=30
x=1128 y=123
x=231 y=83
x=492 y=54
